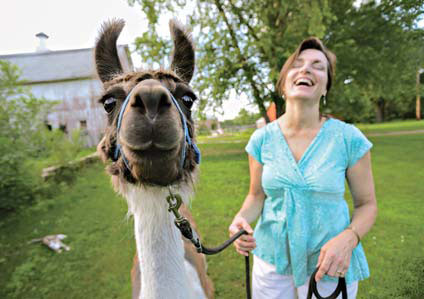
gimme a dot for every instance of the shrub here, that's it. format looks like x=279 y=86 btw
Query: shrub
x=25 y=143
x=62 y=148
x=17 y=186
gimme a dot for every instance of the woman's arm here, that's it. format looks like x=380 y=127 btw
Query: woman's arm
x=361 y=185
x=335 y=254
x=250 y=210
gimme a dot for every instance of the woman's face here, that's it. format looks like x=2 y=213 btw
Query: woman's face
x=307 y=77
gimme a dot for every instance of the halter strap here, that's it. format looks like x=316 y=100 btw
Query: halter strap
x=187 y=138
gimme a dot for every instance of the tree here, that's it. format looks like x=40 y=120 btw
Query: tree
x=244 y=117
x=237 y=42
x=378 y=49
x=242 y=45
x=22 y=116
x=21 y=121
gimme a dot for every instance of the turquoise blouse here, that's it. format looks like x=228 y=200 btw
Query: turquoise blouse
x=305 y=206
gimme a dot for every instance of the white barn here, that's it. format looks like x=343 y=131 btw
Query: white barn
x=69 y=78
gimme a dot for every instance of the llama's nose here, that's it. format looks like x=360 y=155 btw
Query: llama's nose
x=151 y=100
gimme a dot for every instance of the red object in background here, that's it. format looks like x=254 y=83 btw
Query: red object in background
x=272 y=112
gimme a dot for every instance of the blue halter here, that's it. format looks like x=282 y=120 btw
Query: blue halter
x=187 y=138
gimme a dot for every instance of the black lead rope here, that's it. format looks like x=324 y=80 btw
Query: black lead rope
x=247 y=263
x=175 y=201
x=341 y=288
x=211 y=251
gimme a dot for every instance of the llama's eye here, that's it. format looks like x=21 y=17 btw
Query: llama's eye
x=188 y=100
x=109 y=104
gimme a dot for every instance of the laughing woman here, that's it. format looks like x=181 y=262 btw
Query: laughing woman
x=298 y=166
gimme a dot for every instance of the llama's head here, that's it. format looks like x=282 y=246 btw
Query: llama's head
x=152 y=144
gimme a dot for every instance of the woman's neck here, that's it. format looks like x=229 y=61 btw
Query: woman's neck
x=300 y=116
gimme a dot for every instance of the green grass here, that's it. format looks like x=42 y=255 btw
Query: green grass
x=405 y=125
x=395 y=245
x=236 y=136
x=100 y=237
x=85 y=152
x=399 y=125
x=98 y=266
x=37 y=165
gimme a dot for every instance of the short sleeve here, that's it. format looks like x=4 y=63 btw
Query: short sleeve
x=358 y=145
x=254 y=146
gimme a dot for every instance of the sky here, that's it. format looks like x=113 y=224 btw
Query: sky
x=74 y=24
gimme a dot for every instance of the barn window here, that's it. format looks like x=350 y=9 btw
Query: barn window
x=83 y=124
x=63 y=129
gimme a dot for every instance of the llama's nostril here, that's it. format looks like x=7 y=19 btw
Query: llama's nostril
x=151 y=99
x=164 y=101
x=138 y=103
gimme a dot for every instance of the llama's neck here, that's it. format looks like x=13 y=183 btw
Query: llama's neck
x=159 y=246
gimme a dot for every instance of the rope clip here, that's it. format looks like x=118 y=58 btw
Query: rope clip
x=175 y=201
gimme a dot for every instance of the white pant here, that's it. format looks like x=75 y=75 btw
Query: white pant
x=268 y=284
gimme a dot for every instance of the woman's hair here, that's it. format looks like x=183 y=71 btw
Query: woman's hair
x=309 y=43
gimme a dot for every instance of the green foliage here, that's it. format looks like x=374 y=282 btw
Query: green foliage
x=202 y=130
x=152 y=48
x=20 y=121
x=26 y=145
x=61 y=148
x=379 y=49
x=243 y=118
x=241 y=46
x=16 y=184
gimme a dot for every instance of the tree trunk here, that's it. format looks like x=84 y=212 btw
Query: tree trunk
x=248 y=69
x=418 y=101
x=379 y=107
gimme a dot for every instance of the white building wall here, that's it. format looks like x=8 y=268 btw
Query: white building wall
x=77 y=103
x=58 y=91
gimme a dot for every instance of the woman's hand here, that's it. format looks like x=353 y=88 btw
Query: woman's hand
x=245 y=243
x=335 y=255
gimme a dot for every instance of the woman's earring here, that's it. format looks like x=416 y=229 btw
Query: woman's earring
x=324 y=100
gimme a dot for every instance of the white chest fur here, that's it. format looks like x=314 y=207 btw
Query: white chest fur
x=159 y=247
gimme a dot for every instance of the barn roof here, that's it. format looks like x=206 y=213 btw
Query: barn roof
x=39 y=67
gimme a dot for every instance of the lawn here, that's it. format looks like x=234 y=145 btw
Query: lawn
x=393 y=126
x=101 y=238
x=400 y=125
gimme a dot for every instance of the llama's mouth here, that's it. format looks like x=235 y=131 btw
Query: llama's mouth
x=154 y=154
x=137 y=135
x=155 y=166
x=140 y=146
x=151 y=152
x=149 y=145
x=154 y=151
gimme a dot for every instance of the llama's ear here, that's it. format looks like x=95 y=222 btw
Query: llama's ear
x=107 y=59
x=182 y=58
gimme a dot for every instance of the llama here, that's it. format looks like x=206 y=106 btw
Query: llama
x=146 y=142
